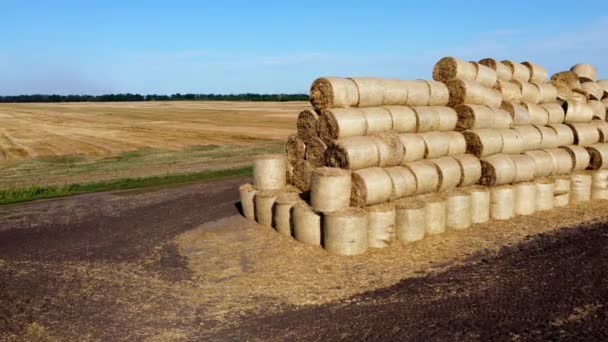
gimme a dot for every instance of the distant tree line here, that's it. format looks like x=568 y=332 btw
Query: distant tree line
x=152 y=97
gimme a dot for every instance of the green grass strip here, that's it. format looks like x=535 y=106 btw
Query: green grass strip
x=17 y=195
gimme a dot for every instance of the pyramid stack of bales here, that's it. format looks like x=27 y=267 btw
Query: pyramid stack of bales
x=378 y=161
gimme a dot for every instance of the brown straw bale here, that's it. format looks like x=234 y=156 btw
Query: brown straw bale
x=390 y=149
x=579 y=155
x=427 y=176
x=564 y=92
x=404 y=182
x=440 y=95
x=598 y=108
x=247 y=193
x=330 y=189
x=282 y=219
x=519 y=71
x=270 y=171
x=602 y=127
x=510 y=91
x=457 y=144
x=525 y=198
x=480 y=203
x=585 y=70
x=409 y=221
x=471 y=92
x=484 y=75
x=306 y=224
x=565 y=135
x=519 y=113
x=371 y=91
x=437 y=144
x=414 y=146
x=595 y=91
x=458 y=210
x=337 y=123
x=381 y=225
x=497 y=169
x=302 y=172
x=473 y=117
x=353 y=153
x=404 y=118
x=585 y=134
x=545 y=194
x=449 y=171
x=315 y=152
x=548 y=137
x=345 y=232
x=512 y=141
x=295 y=148
x=418 y=93
x=598 y=156
x=568 y=78
x=502 y=119
x=427 y=119
x=525 y=167
x=395 y=92
x=502 y=202
x=543 y=162
x=538 y=73
x=377 y=119
x=333 y=92
x=531 y=136
x=538 y=114
x=561 y=160
x=370 y=186
x=449 y=68
x=483 y=142
x=580 y=95
x=577 y=111
x=447 y=118
x=264 y=203
x=307 y=124
x=555 y=111
x=530 y=92
x=503 y=72
x=470 y=168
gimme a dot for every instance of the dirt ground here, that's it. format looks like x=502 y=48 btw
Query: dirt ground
x=179 y=263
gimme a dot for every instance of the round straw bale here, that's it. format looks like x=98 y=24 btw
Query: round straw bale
x=524 y=167
x=595 y=91
x=328 y=92
x=502 y=202
x=449 y=68
x=480 y=203
x=337 y=123
x=353 y=153
x=530 y=92
x=565 y=135
x=447 y=118
x=270 y=171
x=525 y=198
x=395 y=92
x=440 y=95
x=568 y=78
x=409 y=221
x=585 y=134
x=370 y=186
x=247 y=194
x=437 y=144
x=497 y=169
x=543 y=162
x=580 y=157
x=548 y=92
x=519 y=71
x=502 y=119
x=471 y=92
x=404 y=119
x=580 y=95
x=381 y=225
x=549 y=137
x=561 y=161
x=598 y=108
x=470 y=168
x=503 y=72
x=561 y=193
x=306 y=224
x=599 y=185
x=458 y=210
x=604 y=85
x=435 y=215
x=414 y=147
x=484 y=75
x=473 y=117
x=295 y=148
x=519 y=113
x=605 y=102
x=345 y=232
x=371 y=91
x=330 y=189
x=315 y=152
x=599 y=194
x=580 y=190
x=302 y=172
x=378 y=119
x=457 y=144
x=390 y=149
x=555 y=111
x=602 y=127
x=564 y=92
x=538 y=114
x=531 y=136
x=449 y=171
x=418 y=93
x=512 y=141
x=404 y=182
x=537 y=72
x=577 y=111
x=282 y=219
x=427 y=119
x=307 y=124
x=290 y=171
x=598 y=156
x=585 y=70
x=427 y=176
x=545 y=190
x=510 y=91
x=264 y=203
x=483 y=142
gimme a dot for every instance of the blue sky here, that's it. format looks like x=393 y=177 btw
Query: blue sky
x=165 y=47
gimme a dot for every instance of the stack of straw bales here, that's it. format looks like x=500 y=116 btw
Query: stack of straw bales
x=378 y=161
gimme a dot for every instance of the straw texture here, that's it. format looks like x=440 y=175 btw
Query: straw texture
x=370 y=186
x=525 y=198
x=283 y=221
x=470 y=168
x=381 y=225
x=585 y=70
x=483 y=142
x=543 y=162
x=519 y=113
x=353 y=153
x=598 y=156
x=458 y=210
x=270 y=172
x=580 y=187
x=427 y=177
x=330 y=189
x=525 y=167
x=403 y=180
x=502 y=203
x=315 y=152
x=338 y=123
x=471 y=92
x=435 y=213
x=545 y=190
x=519 y=71
x=450 y=173
x=414 y=147
x=480 y=204
x=247 y=194
x=579 y=155
x=497 y=169
x=345 y=232
x=503 y=72
x=307 y=124
x=327 y=92
x=538 y=73
x=404 y=118
x=409 y=221
x=307 y=224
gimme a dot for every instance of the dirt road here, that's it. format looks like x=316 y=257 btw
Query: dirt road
x=108 y=266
